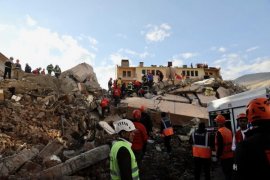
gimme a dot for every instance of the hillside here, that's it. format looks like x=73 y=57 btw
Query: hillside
x=253 y=81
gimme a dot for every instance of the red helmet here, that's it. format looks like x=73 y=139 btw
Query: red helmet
x=220 y=119
x=136 y=114
x=142 y=108
x=241 y=116
x=258 y=109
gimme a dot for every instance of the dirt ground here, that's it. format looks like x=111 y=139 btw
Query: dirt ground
x=159 y=165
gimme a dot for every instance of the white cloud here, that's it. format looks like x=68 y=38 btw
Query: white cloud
x=104 y=73
x=117 y=57
x=30 y=21
x=188 y=55
x=252 y=49
x=157 y=33
x=177 y=62
x=219 y=49
x=235 y=65
x=39 y=46
x=222 y=49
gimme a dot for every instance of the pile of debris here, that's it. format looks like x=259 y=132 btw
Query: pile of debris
x=50 y=128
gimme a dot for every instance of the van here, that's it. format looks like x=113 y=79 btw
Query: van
x=233 y=105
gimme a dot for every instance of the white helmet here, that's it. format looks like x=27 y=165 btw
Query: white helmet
x=124 y=124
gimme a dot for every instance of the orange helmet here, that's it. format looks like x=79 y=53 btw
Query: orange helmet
x=241 y=116
x=220 y=119
x=258 y=109
x=136 y=114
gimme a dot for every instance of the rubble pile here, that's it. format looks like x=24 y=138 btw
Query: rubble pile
x=45 y=122
x=50 y=127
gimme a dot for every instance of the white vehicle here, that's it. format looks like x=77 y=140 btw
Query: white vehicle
x=233 y=105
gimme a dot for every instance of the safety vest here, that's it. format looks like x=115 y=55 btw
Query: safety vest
x=114 y=168
x=200 y=146
x=168 y=130
x=227 y=143
x=238 y=136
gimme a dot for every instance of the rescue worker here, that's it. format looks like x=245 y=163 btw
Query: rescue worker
x=201 y=151
x=27 y=68
x=123 y=163
x=105 y=106
x=150 y=79
x=17 y=69
x=137 y=85
x=57 y=71
x=167 y=131
x=146 y=120
x=160 y=76
x=43 y=71
x=240 y=133
x=223 y=146
x=119 y=82
x=50 y=69
x=130 y=89
x=36 y=71
x=8 y=67
x=252 y=159
x=140 y=137
x=144 y=79
x=110 y=84
x=116 y=95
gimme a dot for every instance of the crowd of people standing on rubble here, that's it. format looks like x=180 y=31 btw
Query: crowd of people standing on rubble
x=120 y=89
x=17 y=68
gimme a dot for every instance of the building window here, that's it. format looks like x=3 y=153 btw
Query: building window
x=196 y=73
x=188 y=73
x=183 y=73
x=129 y=74
x=192 y=73
x=143 y=71
x=124 y=73
x=211 y=73
x=153 y=72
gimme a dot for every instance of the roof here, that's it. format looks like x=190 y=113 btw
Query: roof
x=236 y=100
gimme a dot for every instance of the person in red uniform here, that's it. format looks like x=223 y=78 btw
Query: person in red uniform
x=104 y=106
x=252 y=156
x=240 y=133
x=140 y=137
x=116 y=95
x=223 y=143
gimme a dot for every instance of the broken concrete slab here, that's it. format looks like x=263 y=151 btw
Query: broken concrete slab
x=52 y=148
x=223 y=92
x=83 y=73
x=106 y=127
x=10 y=164
x=77 y=163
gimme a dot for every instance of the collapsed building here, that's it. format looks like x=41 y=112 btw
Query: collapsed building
x=51 y=128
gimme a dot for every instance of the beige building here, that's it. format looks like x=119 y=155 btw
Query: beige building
x=127 y=73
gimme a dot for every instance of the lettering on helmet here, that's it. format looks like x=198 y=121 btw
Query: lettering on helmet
x=122 y=123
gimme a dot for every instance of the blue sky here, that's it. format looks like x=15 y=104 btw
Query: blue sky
x=233 y=35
